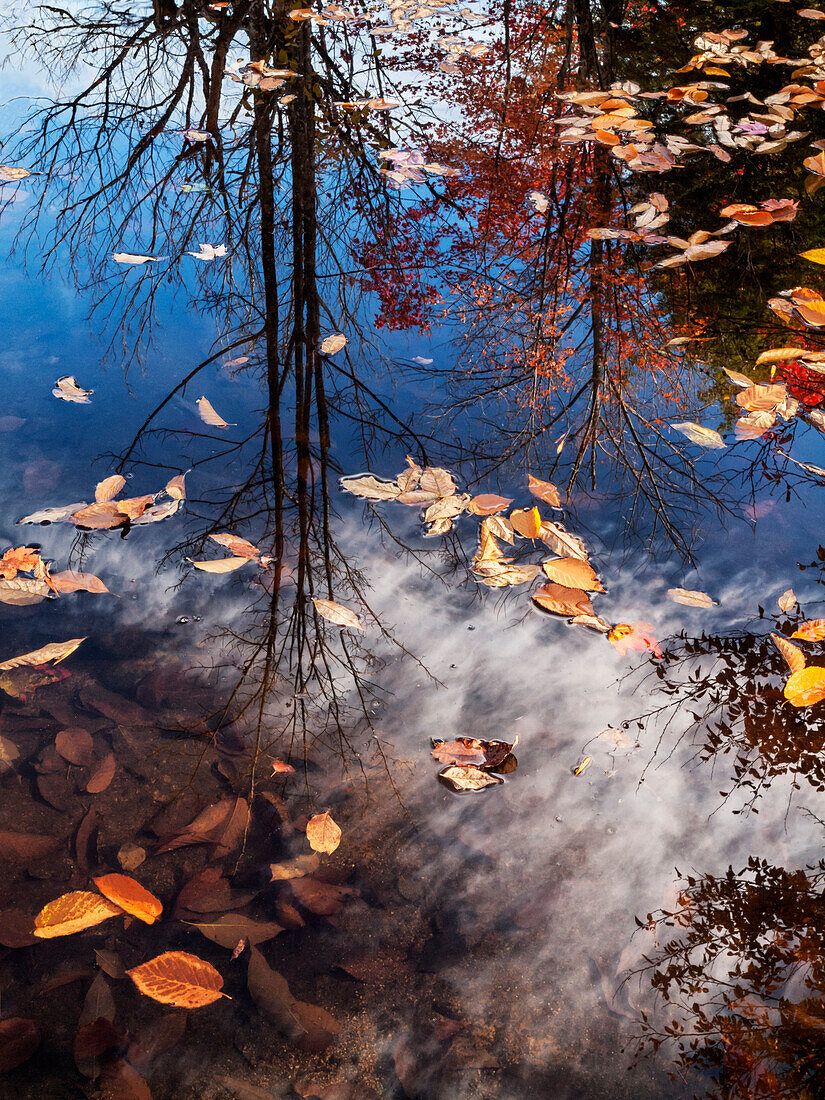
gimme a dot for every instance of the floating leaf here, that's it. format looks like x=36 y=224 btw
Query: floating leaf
x=209 y=416
x=67 y=389
x=737 y=378
x=787 y=600
x=134 y=258
x=815 y=255
x=467 y=778
x=696 y=433
x=177 y=978
x=690 y=598
x=62 y=514
x=236 y=545
x=527 y=522
x=573 y=573
x=562 y=542
x=70 y=580
x=582 y=765
x=761 y=398
x=370 y=487
x=544 y=490
x=472 y=751
x=335 y=613
x=73 y=913
x=109 y=488
x=219 y=565
x=333 y=344
x=806 y=686
x=208 y=252
x=779 y=355
x=487 y=504
x=562 y=600
x=22 y=591
x=794 y=657
x=133 y=898
x=54 y=651
x=323 y=834
x=176 y=486
x=436 y=480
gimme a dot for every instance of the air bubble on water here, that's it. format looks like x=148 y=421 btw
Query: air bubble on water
x=184 y=619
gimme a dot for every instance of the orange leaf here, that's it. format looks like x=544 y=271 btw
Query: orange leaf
x=487 y=504
x=544 y=490
x=811 y=631
x=812 y=312
x=806 y=687
x=526 y=522
x=323 y=834
x=130 y=896
x=573 y=573
x=177 y=978
x=563 y=601
x=72 y=913
x=793 y=655
x=109 y=488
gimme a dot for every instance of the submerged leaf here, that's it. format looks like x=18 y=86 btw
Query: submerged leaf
x=132 y=898
x=54 y=651
x=323 y=834
x=177 y=978
x=73 y=913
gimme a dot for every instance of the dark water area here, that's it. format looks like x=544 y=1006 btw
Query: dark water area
x=395 y=400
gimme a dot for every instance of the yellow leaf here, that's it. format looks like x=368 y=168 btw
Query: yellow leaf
x=130 y=896
x=806 y=687
x=815 y=255
x=72 y=913
x=779 y=355
x=177 y=978
x=573 y=573
x=323 y=834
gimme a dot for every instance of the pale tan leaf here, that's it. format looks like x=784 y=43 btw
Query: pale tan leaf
x=779 y=355
x=54 y=651
x=333 y=344
x=737 y=378
x=323 y=834
x=436 y=480
x=239 y=547
x=787 y=600
x=690 y=598
x=562 y=542
x=70 y=580
x=219 y=565
x=468 y=778
x=176 y=486
x=177 y=978
x=373 y=488
x=156 y=513
x=499 y=526
x=109 y=488
x=487 y=504
x=502 y=574
x=22 y=591
x=209 y=416
x=562 y=600
x=761 y=398
x=338 y=614
x=696 y=433
x=72 y=913
x=62 y=514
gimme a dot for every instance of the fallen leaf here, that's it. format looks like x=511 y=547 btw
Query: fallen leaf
x=467 y=778
x=335 y=613
x=209 y=416
x=787 y=600
x=811 y=631
x=24 y=847
x=75 y=745
x=130 y=896
x=527 y=522
x=54 y=651
x=70 y=580
x=109 y=488
x=737 y=378
x=72 y=913
x=19 y=1039
x=562 y=542
x=67 y=389
x=177 y=978
x=23 y=591
x=690 y=598
x=229 y=929
x=134 y=258
x=239 y=547
x=696 y=433
x=323 y=834
x=573 y=573
x=176 y=486
x=794 y=657
x=582 y=765
x=370 y=487
x=103 y=772
x=63 y=514
x=562 y=600
x=333 y=344
x=219 y=565
x=280 y=767
x=296 y=867
x=776 y=355
x=487 y=504
x=436 y=480
x=806 y=686
x=473 y=751
x=544 y=490
x=208 y=252
x=761 y=398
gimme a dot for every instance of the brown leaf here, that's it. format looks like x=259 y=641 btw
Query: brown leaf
x=323 y=834
x=24 y=847
x=100 y=517
x=544 y=490
x=16 y=928
x=473 y=751
x=322 y=898
x=92 y=1040
x=270 y=992
x=176 y=486
x=19 y=1039
x=237 y=546
x=130 y=896
x=76 y=746
x=103 y=772
x=562 y=600
x=72 y=913
x=123 y=1082
x=232 y=927
x=86 y=841
x=373 y=488
x=154 y=1039
x=177 y=978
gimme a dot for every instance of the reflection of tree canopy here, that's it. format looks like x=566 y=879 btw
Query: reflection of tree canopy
x=739 y=967
x=727 y=688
